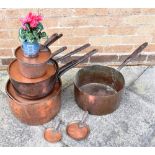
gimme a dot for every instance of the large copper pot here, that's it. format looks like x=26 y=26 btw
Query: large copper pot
x=35 y=112
x=98 y=89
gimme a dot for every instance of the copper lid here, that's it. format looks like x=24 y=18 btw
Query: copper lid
x=12 y=94
x=15 y=74
x=52 y=136
x=43 y=56
x=76 y=131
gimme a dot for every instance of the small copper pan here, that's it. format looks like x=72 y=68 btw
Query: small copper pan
x=35 y=112
x=40 y=87
x=98 y=89
x=37 y=66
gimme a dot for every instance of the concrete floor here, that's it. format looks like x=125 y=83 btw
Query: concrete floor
x=132 y=124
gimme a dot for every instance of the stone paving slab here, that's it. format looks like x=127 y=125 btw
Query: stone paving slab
x=132 y=124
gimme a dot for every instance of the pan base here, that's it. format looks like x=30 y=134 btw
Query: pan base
x=98 y=89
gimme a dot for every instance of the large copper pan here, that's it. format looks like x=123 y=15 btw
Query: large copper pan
x=40 y=87
x=98 y=89
x=35 y=112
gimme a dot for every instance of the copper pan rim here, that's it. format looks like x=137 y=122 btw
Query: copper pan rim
x=105 y=96
x=22 y=61
x=31 y=81
x=27 y=101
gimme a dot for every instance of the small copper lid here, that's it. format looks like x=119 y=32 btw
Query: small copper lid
x=77 y=131
x=52 y=136
x=15 y=74
x=43 y=56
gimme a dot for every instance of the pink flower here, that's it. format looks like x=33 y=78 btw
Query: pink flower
x=31 y=19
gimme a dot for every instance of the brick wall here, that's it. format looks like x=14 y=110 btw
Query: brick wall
x=115 y=32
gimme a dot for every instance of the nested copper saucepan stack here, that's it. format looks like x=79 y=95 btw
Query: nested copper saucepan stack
x=34 y=88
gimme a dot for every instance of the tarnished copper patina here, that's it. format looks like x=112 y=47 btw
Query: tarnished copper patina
x=98 y=89
x=35 y=112
x=40 y=87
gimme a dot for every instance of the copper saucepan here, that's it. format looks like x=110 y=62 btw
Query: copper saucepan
x=35 y=112
x=98 y=89
x=37 y=66
x=40 y=87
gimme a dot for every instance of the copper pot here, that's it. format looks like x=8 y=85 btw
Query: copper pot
x=35 y=112
x=37 y=66
x=98 y=89
x=40 y=87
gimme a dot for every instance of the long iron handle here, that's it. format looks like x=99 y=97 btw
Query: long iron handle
x=73 y=63
x=51 y=38
x=133 y=55
x=58 y=51
x=73 y=52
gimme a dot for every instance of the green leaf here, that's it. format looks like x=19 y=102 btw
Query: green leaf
x=40 y=27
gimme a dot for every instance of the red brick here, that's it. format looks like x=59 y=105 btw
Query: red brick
x=118 y=49
x=50 y=22
x=90 y=31
x=5 y=52
x=56 y=12
x=90 y=11
x=150 y=48
x=106 y=21
x=73 y=41
x=9 y=43
x=7 y=61
x=135 y=39
x=75 y=22
x=124 y=11
x=121 y=30
x=4 y=34
x=105 y=40
x=104 y=58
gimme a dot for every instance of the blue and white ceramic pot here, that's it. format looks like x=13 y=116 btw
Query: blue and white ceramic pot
x=30 y=49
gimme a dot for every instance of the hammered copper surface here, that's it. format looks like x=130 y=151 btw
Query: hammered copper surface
x=77 y=132
x=35 y=112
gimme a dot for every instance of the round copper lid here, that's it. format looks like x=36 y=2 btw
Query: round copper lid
x=15 y=74
x=77 y=131
x=42 y=57
x=12 y=94
x=52 y=136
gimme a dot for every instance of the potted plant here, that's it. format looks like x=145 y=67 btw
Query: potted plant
x=31 y=33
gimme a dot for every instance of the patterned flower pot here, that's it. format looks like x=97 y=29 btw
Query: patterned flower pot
x=30 y=49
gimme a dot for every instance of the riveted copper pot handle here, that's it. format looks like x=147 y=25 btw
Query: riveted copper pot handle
x=133 y=55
